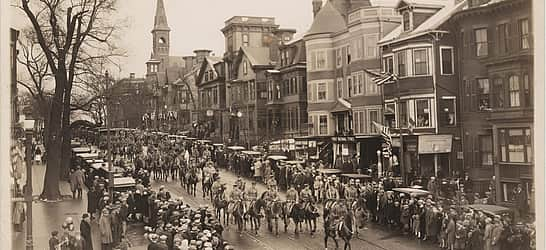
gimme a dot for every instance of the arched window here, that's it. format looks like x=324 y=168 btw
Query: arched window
x=162 y=40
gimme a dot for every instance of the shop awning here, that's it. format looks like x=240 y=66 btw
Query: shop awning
x=435 y=144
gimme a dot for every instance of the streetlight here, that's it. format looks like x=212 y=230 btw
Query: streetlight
x=28 y=125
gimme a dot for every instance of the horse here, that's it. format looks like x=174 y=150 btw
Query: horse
x=235 y=208
x=342 y=228
x=191 y=181
x=220 y=204
x=295 y=212
x=310 y=215
x=274 y=210
x=206 y=183
x=254 y=214
x=360 y=213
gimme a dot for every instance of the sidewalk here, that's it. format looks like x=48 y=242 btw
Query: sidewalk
x=49 y=216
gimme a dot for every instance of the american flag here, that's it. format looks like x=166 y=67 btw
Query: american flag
x=383 y=77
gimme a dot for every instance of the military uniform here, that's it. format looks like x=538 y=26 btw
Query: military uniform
x=251 y=194
x=306 y=195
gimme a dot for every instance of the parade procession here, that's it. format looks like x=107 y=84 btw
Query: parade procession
x=364 y=124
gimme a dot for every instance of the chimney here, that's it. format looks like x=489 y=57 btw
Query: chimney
x=188 y=61
x=201 y=54
x=131 y=75
x=317 y=5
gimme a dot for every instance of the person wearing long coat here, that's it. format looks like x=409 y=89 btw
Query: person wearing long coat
x=105 y=228
x=496 y=235
x=450 y=232
x=85 y=230
x=92 y=201
x=476 y=240
x=488 y=235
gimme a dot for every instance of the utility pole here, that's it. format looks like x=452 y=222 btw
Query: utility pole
x=28 y=125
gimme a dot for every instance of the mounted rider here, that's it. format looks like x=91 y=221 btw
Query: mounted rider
x=291 y=198
x=332 y=196
x=271 y=194
x=250 y=196
x=235 y=197
x=351 y=193
x=216 y=187
x=240 y=183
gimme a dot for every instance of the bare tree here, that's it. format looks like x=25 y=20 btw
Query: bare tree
x=68 y=33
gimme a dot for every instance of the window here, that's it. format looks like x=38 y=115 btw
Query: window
x=371 y=46
x=524 y=33
x=483 y=94
x=321 y=91
x=349 y=86
x=358 y=45
x=481 y=42
x=245 y=67
x=390 y=115
x=498 y=93
x=403 y=111
x=245 y=40
x=320 y=60
x=420 y=62
x=358 y=82
x=447 y=112
x=388 y=64
x=162 y=40
x=230 y=43
x=339 y=83
x=373 y=116
x=348 y=49
x=423 y=113
x=527 y=91
x=358 y=118
x=401 y=63
x=447 y=61
x=514 y=91
x=323 y=124
x=516 y=145
x=406 y=20
x=371 y=87
x=311 y=128
x=503 y=31
x=339 y=57
x=486 y=150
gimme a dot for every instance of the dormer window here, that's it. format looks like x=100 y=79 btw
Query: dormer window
x=406 y=21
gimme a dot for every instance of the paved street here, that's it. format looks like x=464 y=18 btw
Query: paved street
x=370 y=239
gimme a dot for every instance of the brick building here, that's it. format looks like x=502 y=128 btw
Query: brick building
x=495 y=58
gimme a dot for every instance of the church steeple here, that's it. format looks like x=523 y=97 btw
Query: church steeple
x=160 y=20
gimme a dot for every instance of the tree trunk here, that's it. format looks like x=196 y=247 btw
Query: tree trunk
x=53 y=147
x=67 y=135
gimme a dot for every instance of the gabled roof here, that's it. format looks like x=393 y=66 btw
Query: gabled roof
x=341 y=105
x=328 y=20
x=257 y=56
x=431 y=24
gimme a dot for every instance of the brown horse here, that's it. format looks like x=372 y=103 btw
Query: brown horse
x=342 y=227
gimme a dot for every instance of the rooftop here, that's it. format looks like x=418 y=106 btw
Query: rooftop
x=328 y=20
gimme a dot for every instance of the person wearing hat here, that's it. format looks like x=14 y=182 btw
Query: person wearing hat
x=105 y=229
x=85 y=230
x=351 y=194
x=163 y=243
x=317 y=188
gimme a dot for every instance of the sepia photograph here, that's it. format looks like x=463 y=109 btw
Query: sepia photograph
x=285 y=124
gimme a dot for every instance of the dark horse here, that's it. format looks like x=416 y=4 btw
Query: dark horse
x=191 y=181
x=236 y=209
x=295 y=212
x=342 y=227
x=310 y=215
x=220 y=204
x=254 y=214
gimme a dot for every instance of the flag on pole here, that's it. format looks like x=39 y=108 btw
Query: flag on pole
x=382 y=78
x=387 y=139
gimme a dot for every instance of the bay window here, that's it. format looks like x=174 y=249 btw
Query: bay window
x=388 y=64
x=349 y=86
x=322 y=91
x=422 y=108
x=390 y=115
x=420 y=62
x=371 y=46
x=401 y=63
x=373 y=116
x=371 y=87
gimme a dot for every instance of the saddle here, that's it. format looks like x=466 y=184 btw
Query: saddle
x=330 y=204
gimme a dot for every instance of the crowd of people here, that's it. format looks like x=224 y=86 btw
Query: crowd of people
x=171 y=224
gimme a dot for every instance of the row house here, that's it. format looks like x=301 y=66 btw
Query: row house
x=287 y=95
x=212 y=99
x=343 y=101
x=495 y=61
x=421 y=107
x=251 y=49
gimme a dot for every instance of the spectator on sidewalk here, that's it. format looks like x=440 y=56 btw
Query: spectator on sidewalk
x=92 y=201
x=105 y=228
x=85 y=230
x=54 y=240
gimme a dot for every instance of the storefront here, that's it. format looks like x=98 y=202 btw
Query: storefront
x=424 y=155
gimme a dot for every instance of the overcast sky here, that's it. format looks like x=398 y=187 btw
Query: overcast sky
x=194 y=24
